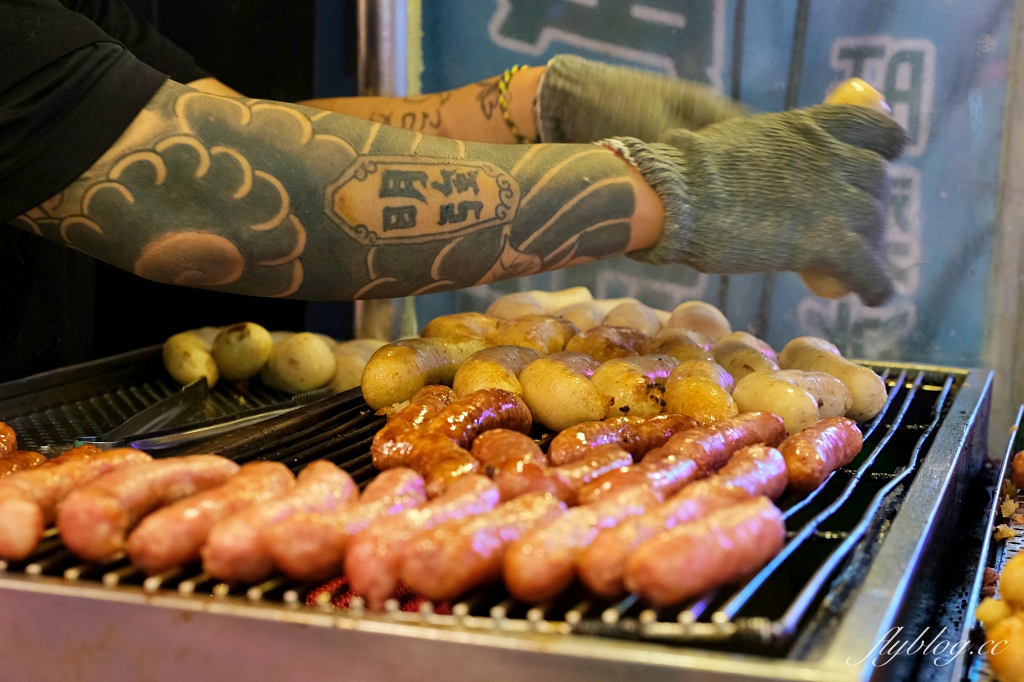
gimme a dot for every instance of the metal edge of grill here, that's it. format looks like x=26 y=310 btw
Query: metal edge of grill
x=970 y=403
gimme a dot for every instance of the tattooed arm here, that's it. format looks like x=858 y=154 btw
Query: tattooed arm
x=469 y=113
x=272 y=199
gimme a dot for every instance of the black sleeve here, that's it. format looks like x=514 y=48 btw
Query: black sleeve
x=67 y=92
x=121 y=23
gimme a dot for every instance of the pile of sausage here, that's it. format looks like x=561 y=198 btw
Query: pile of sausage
x=658 y=505
x=572 y=359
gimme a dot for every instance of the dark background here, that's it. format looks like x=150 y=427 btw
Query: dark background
x=63 y=307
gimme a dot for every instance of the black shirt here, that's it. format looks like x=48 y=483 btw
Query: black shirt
x=74 y=75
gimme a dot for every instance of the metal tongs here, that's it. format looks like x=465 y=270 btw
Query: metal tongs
x=151 y=429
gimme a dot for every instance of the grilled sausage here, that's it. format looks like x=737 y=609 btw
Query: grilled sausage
x=20 y=460
x=463 y=324
x=29 y=500
x=690 y=455
x=396 y=371
x=537 y=302
x=391 y=447
x=558 y=390
x=459 y=555
x=174 y=535
x=312 y=546
x=439 y=460
x=816 y=452
x=1017 y=470
x=496 y=367
x=606 y=343
x=543 y=333
x=635 y=386
x=589 y=314
x=832 y=396
x=543 y=562
x=754 y=470
x=701 y=390
x=635 y=315
x=500 y=448
x=488 y=408
x=817 y=355
x=700 y=317
x=636 y=435
x=696 y=556
x=374 y=555
x=8 y=439
x=682 y=344
x=236 y=550
x=750 y=340
x=765 y=391
x=95 y=520
x=516 y=479
x=740 y=359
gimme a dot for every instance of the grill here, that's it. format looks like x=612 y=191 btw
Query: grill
x=835 y=586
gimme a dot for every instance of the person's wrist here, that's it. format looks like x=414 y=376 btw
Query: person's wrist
x=522 y=89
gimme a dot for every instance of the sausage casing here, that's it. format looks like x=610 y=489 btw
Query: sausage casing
x=373 y=559
x=634 y=386
x=398 y=370
x=312 y=546
x=463 y=324
x=816 y=452
x=636 y=435
x=754 y=470
x=95 y=519
x=459 y=555
x=558 y=390
x=8 y=439
x=173 y=536
x=740 y=359
x=236 y=549
x=543 y=562
x=391 y=446
x=20 y=460
x=606 y=343
x=543 y=333
x=488 y=408
x=495 y=367
x=696 y=556
x=29 y=500
x=689 y=456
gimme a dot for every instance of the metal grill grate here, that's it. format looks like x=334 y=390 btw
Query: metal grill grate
x=832 y=535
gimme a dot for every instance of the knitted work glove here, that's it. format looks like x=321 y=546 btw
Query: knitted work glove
x=787 y=191
x=579 y=100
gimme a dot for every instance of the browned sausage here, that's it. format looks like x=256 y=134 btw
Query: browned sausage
x=173 y=536
x=754 y=470
x=519 y=467
x=391 y=447
x=814 y=453
x=543 y=333
x=489 y=408
x=29 y=499
x=463 y=324
x=1017 y=474
x=8 y=439
x=605 y=343
x=312 y=546
x=95 y=519
x=20 y=460
x=543 y=562
x=690 y=455
x=235 y=548
x=374 y=555
x=439 y=460
x=460 y=555
x=696 y=556
x=636 y=435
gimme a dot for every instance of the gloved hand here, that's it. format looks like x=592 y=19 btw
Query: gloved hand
x=787 y=191
x=579 y=100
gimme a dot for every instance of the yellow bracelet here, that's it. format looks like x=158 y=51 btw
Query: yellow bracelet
x=503 y=82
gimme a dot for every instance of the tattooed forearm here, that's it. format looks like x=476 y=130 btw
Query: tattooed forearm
x=488 y=96
x=420 y=121
x=273 y=199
